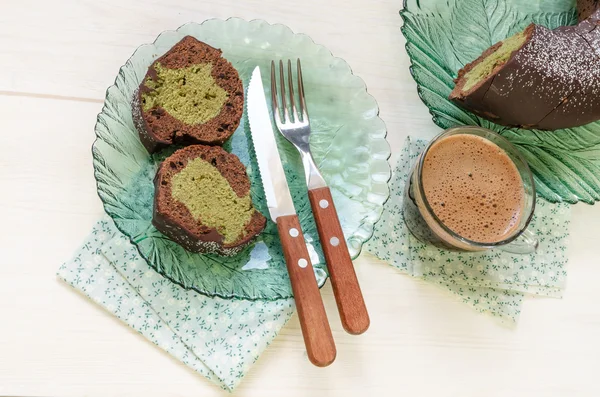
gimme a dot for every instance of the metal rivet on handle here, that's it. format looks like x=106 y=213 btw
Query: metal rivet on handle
x=323 y=203
x=294 y=232
x=334 y=241
x=302 y=262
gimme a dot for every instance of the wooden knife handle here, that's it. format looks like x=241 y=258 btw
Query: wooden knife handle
x=350 y=302
x=313 y=319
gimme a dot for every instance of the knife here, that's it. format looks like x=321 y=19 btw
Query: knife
x=313 y=319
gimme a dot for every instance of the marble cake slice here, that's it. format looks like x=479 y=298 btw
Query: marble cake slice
x=190 y=95
x=202 y=201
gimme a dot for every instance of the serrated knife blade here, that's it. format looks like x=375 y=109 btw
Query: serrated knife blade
x=279 y=199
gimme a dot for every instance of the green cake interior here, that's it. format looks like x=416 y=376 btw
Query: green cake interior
x=487 y=65
x=190 y=94
x=211 y=200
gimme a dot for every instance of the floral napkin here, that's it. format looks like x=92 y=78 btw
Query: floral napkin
x=221 y=339
x=218 y=338
x=492 y=281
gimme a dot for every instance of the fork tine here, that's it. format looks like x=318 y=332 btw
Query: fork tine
x=274 y=101
x=291 y=86
x=303 y=109
x=286 y=114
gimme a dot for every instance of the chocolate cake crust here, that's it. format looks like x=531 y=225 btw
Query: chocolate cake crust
x=173 y=218
x=159 y=129
x=585 y=8
x=473 y=99
x=552 y=81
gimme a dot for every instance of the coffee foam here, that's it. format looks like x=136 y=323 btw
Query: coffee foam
x=473 y=187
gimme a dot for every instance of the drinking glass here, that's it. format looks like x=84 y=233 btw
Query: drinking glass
x=427 y=227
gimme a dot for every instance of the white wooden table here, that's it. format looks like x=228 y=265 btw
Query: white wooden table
x=56 y=60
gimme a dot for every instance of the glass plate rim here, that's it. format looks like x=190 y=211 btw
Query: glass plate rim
x=388 y=153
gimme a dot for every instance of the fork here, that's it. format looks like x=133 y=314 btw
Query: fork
x=295 y=127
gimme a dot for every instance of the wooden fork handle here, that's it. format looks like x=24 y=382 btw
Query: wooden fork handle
x=350 y=302
x=313 y=319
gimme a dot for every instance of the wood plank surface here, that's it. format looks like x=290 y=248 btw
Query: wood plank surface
x=58 y=57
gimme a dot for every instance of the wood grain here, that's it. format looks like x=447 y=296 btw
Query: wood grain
x=348 y=295
x=421 y=342
x=311 y=312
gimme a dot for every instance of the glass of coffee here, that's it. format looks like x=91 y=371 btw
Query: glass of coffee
x=471 y=190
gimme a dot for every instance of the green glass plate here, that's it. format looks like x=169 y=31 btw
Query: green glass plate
x=441 y=37
x=348 y=142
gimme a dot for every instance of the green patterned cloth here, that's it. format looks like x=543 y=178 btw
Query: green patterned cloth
x=218 y=338
x=493 y=281
x=221 y=339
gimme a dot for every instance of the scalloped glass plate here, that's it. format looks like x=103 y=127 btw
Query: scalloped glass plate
x=348 y=142
x=441 y=37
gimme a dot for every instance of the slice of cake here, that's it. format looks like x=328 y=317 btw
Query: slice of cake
x=202 y=201
x=190 y=95
x=538 y=78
